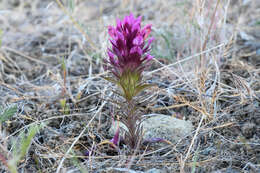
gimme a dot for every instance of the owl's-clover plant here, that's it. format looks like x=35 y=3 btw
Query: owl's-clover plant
x=128 y=56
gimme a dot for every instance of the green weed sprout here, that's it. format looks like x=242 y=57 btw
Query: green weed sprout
x=20 y=150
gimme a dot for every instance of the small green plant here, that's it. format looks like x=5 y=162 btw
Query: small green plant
x=21 y=150
x=63 y=100
x=64 y=106
x=6 y=114
x=64 y=75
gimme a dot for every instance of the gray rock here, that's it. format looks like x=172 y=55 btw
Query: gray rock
x=161 y=126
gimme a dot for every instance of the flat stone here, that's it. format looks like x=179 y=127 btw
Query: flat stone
x=160 y=126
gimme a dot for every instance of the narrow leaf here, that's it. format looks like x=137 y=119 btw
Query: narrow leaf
x=140 y=88
x=110 y=79
x=26 y=141
x=8 y=113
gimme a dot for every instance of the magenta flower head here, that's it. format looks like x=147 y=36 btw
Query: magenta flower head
x=129 y=54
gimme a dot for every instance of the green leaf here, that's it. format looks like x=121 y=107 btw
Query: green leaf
x=110 y=79
x=8 y=113
x=141 y=87
x=63 y=103
x=63 y=64
x=26 y=141
x=19 y=152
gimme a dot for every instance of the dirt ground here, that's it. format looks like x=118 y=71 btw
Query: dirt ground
x=206 y=70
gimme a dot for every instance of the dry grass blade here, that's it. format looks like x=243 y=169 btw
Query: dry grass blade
x=208 y=34
x=192 y=142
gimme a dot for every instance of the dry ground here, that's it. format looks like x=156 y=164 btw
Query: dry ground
x=206 y=70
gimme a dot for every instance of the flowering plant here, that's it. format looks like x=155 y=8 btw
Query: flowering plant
x=127 y=59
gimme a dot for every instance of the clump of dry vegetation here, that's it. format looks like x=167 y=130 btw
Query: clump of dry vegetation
x=206 y=70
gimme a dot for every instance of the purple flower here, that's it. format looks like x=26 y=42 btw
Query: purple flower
x=130 y=46
x=115 y=140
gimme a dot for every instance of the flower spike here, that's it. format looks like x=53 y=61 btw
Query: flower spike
x=130 y=46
